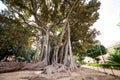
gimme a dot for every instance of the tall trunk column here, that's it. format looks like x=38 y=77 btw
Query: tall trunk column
x=72 y=63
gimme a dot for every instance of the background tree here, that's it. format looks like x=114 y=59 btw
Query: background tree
x=14 y=38
x=96 y=51
x=60 y=24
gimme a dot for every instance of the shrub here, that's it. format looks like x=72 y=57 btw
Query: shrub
x=20 y=59
x=114 y=58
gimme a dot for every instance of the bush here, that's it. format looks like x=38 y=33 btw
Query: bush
x=114 y=58
x=96 y=51
x=79 y=59
x=20 y=59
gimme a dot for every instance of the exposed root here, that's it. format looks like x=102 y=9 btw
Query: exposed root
x=49 y=72
x=37 y=66
x=57 y=71
x=52 y=72
x=10 y=66
x=15 y=66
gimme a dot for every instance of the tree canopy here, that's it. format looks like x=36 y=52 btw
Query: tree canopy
x=96 y=51
x=14 y=38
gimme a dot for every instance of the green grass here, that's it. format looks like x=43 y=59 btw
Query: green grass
x=106 y=65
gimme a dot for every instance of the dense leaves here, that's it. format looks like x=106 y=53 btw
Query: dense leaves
x=96 y=51
x=14 y=38
x=114 y=58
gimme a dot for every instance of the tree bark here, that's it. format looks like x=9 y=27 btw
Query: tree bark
x=72 y=63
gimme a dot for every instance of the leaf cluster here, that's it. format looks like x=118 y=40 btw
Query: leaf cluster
x=114 y=58
x=14 y=38
x=96 y=51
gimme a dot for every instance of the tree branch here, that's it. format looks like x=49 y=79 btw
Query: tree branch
x=72 y=9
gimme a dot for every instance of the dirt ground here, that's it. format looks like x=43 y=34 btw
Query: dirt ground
x=80 y=74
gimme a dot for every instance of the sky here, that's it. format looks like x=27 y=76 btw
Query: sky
x=1 y=5
x=107 y=22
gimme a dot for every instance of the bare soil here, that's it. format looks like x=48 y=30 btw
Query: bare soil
x=79 y=74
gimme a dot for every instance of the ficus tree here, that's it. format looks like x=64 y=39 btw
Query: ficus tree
x=60 y=24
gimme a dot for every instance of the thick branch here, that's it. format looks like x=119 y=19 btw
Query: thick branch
x=72 y=9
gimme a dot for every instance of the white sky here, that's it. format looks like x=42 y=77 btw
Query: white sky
x=2 y=6
x=107 y=24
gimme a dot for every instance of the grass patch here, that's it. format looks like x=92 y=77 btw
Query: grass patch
x=114 y=66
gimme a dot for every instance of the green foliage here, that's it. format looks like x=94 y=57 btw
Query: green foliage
x=81 y=21
x=114 y=58
x=106 y=65
x=79 y=58
x=14 y=38
x=20 y=59
x=32 y=53
x=96 y=51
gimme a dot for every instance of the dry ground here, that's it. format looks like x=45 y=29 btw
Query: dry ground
x=80 y=74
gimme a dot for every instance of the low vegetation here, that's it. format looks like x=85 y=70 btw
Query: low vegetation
x=106 y=65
